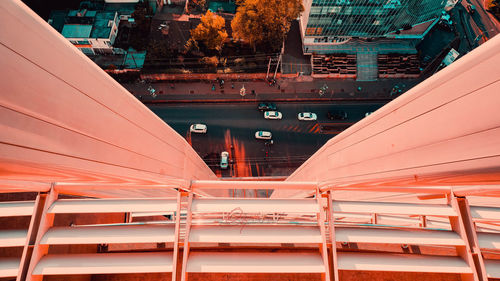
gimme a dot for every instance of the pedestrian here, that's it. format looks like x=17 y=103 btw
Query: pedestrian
x=232 y=85
x=172 y=86
x=213 y=87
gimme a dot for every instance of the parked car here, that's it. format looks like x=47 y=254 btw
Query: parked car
x=337 y=115
x=307 y=116
x=273 y=115
x=263 y=106
x=263 y=135
x=471 y=9
x=198 y=128
x=224 y=159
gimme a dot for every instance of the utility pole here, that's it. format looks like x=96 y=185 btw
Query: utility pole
x=268 y=67
x=277 y=66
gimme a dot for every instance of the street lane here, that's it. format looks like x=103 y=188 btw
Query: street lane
x=231 y=127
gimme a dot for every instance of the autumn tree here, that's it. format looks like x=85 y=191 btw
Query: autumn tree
x=265 y=21
x=210 y=32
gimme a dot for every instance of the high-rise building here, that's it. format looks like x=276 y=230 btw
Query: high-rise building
x=94 y=186
x=335 y=21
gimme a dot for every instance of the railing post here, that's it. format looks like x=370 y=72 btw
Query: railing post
x=461 y=206
x=462 y=227
x=176 y=237
x=321 y=223
x=46 y=221
x=185 y=252
x=31 y=237
x=331 y=227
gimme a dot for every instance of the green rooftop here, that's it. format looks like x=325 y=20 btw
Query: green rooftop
x=223 y=7
x=76 y=30
x=83 y=23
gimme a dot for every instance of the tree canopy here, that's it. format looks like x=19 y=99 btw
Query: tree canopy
x=265 y=21
x=210 y=32
x=142 y=17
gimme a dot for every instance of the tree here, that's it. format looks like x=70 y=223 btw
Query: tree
x=258 y=21
x=210 y=32
x=138 y=34
x=210 y=61
x=200 y=4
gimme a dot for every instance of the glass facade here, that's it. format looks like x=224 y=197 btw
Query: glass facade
x=368 y=18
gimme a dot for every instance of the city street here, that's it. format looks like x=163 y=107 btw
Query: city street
x=231 y=127
x=479 y=25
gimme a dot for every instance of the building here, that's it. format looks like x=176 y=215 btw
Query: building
x=94 y=186
x=92 y=32
x=329 y=22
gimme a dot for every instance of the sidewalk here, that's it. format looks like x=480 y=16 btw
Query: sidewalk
x=301 y=89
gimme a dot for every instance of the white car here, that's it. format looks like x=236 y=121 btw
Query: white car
x=224 y=156
x=307 y=116
x=198 y=128
x=273 y=115
x=263 y=135
x=368 y=113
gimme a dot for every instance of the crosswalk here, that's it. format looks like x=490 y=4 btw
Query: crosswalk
x=317 y=128
x=367 y=66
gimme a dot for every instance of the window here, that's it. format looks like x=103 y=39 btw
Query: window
x=315 y=10
x=334 y=10
x=314 y=30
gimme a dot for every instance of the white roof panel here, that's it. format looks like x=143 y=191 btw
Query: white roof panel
x=18 y=208
x=489 y=240
x=112 y=205
x=401 y=263
x=255 y=262
x=256 y=205
x=487 y=213
x=104 y=263
x=492 y=268
x=13 y=238
x=9 y=267
x=255 y=234
x=397 y=236
x=393 y=208
x=109 y=234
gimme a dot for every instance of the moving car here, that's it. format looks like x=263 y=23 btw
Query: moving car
x=263 y=106
x=368 y=113
x=307 y=116
x=198 y=128
x=263 y=135
x=224 y=156
x=337 y=115
x=273 y=115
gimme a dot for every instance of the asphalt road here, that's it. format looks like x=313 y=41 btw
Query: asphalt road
x=231 y=127
x=483 y=25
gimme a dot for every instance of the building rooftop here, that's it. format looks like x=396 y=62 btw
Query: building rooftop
x=102 y=28
x=82 y=23
x=76 y=30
